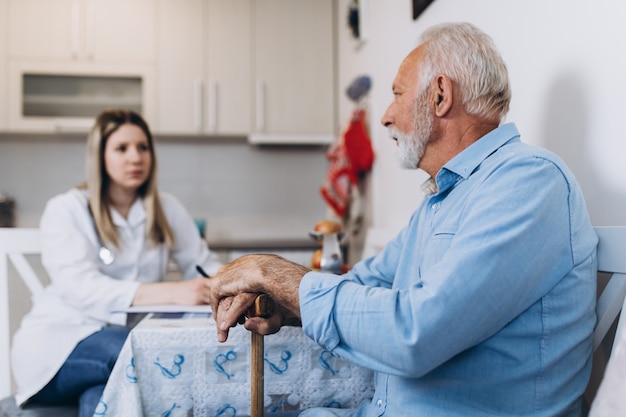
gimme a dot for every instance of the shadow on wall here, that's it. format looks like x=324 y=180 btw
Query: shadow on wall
x=567 y=133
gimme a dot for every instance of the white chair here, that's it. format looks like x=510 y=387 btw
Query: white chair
x=608 y=401
x=612 y=260
x=15 y=245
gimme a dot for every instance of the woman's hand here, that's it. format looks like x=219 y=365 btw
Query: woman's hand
x=192 y=292
x=189 y=292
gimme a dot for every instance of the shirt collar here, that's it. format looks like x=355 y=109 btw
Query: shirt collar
x=466 y=162
x=136 y=215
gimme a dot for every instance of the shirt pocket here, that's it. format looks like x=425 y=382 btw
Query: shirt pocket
x=436 y=247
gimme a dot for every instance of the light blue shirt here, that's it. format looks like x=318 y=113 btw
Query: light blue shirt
x=484 y=305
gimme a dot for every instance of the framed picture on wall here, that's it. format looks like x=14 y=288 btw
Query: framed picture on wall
x=357 y=18
x=419 y=6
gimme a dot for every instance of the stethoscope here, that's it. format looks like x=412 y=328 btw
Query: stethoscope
x=105 y=254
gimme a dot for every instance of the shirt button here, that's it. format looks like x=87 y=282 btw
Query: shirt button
x=435 y=206
x=379 y=403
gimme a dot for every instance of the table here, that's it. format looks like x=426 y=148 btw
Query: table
x=175 y=367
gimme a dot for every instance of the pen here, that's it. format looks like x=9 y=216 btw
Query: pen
x=202 y=271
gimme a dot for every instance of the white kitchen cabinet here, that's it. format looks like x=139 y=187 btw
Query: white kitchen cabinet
x=180 y=64
x=68 y=98
x=229 y=66
x=80 y=49
x=262 y=68
x=4 y=7
x=294 y=71
x=205 y=66
x=83 y=30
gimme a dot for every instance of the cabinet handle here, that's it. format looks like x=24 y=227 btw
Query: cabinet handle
x=71 y=125
x=213 y=92
x=260 y=106
x=198 y=108
x=91 y=29
x=75 y=21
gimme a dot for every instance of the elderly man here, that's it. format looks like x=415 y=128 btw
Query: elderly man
x=483 y=305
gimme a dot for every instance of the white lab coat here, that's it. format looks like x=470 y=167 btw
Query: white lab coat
x=83 y=291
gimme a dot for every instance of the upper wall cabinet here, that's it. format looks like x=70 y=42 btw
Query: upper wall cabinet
x=205 y=66
x=4 y=7
x=83 y=30
x=67 y=60
x=294 y=71
x=261 y=68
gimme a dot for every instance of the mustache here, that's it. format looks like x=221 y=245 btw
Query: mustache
x=393 y=133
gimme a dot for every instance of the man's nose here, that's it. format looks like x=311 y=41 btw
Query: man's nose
x=387 y=119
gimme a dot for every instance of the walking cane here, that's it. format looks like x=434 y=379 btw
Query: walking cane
x=262 y=307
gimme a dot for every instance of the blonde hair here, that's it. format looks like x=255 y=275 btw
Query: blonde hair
x=157 y=228
x=469 y=57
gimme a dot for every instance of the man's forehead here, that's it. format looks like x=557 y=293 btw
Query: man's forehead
x=408 y=70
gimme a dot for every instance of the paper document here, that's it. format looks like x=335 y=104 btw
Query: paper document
x=166 y=308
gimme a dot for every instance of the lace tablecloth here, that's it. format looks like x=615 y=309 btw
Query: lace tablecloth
x=176 y=367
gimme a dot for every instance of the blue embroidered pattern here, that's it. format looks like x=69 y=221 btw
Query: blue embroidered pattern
x=285 y=355
x=277 y=407
x=130 y=372
x=101 y=409
x=226 y=411
x=221 y=359
x=332 y=404
x=324 y=358
x=176 y=366
x=168 y=413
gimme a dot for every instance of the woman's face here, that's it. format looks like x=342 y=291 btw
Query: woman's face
x=127 y=157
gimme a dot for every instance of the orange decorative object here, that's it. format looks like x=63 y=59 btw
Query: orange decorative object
x=327 y=226
x=316 y=260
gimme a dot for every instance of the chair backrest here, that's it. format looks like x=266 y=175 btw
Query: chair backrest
x=612 y=260
x=15 y=243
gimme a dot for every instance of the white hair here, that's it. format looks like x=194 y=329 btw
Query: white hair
x=469 y=57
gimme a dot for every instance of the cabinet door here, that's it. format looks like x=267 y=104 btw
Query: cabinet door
x=83 y=30
x=4 y=11
x=121 y=30
x=68 y=98
x=294 y=66
x=180 y=66
x=229 y=67
x=44 y=29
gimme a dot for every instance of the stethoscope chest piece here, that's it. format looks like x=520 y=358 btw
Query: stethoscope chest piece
x=106 y=256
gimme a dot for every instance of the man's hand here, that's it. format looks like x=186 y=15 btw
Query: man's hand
x=237 y=284
x=236 y=309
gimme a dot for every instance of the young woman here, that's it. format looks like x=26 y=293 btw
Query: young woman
x=106 y=246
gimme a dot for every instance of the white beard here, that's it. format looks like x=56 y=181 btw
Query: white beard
x=411 y=146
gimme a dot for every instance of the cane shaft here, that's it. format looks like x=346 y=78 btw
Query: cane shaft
x=262 y=307
x=257 y=376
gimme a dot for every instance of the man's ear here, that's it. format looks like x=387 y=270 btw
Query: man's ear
x=442 y=95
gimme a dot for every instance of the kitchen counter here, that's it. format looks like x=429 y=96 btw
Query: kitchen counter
x=261 y=243
x=260 y=232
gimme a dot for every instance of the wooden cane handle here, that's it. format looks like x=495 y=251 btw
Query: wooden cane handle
x=263 y=307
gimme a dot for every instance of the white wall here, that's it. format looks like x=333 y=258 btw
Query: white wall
x=245 y=193
x=567 y=64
